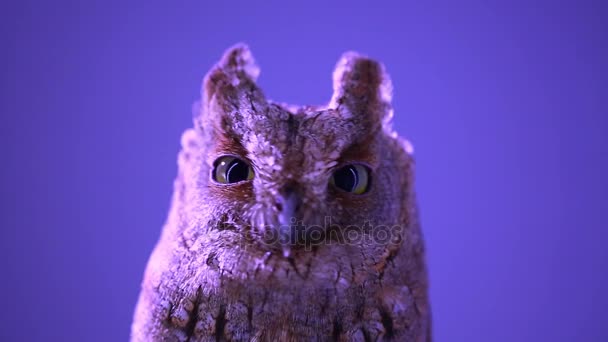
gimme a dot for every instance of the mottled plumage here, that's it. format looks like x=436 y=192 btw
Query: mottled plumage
x=230 y=266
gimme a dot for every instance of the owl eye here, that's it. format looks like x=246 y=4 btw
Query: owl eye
x=352 y=178
x=228 y=170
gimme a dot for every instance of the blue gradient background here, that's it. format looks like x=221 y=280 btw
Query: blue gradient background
x=505 y=102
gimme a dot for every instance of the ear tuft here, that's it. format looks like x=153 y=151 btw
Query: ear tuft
x=362 y=86
x=236 y=68
x=229 y=91
x=238 y=60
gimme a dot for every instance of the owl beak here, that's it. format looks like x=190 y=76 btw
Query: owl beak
x=288 y=203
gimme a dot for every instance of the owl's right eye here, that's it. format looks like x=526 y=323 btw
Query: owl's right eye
x=229 y=169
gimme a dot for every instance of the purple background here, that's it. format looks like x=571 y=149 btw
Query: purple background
x=506 y=105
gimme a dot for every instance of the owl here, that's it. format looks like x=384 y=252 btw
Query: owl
x=289 y=223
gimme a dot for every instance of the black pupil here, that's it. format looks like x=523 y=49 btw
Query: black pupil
x=237 y=171
x=346 y=178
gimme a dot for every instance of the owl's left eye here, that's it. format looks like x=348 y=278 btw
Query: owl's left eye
x=352 y=178
x=229 y=169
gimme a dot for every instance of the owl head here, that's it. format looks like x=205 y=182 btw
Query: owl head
x=293 y=178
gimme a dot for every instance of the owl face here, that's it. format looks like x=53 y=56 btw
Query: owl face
x=289 y=177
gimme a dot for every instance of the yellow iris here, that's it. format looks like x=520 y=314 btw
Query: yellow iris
x=230 y=169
